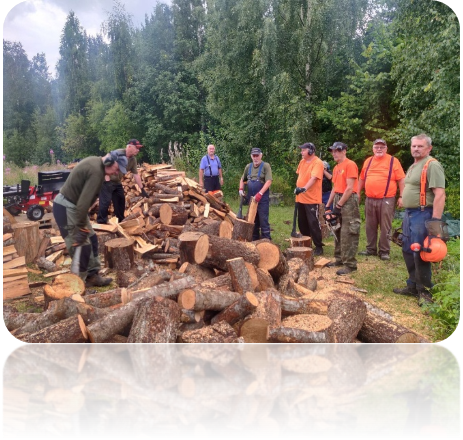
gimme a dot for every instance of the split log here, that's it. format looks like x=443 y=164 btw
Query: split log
x=117 y=320
x=43 y=263
x=104 y=299
x=241 y=280
x=242 y=230
x=190 y=316
x=27 y=240
x=172 y=214
x=205 y=299
x=255 y=286
x=220 y=333
x=44 y=243
x=223 y=249
x=118 y=254
x=252 y=211
x=271 y=259
x=243 y=306
x=305 y=279
x=193 y=247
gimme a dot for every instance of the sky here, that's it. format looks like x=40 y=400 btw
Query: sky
x=38 y=24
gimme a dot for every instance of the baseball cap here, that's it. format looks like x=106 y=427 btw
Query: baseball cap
x=380 y=141
x=256 y=151
x=121 y=160
x=135 y=142
x=338 y=146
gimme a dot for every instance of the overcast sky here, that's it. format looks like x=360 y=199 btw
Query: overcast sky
x=38 y=24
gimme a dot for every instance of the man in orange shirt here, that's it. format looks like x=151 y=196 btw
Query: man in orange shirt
x=344 y=195
x=309 y=195
x=380 y=176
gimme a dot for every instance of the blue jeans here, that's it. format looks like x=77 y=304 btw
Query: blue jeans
x=414 y=231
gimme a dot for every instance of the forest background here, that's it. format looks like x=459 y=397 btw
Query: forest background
x=240 y=74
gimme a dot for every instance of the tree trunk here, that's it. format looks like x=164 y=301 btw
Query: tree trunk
x=220 y=333
x=118 y=254
x=303 y=241
x=199 y=273
x=303 y=329
x=63 y=286
x=304 y=305
x=104 y=299
x=71 y=330
x=223 y=249
x=243 y=306
x=204 y=299
x=173 y=214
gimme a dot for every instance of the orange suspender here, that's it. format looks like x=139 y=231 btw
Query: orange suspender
x=423 y=183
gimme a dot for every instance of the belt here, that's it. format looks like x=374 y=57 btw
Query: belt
x=210 y=177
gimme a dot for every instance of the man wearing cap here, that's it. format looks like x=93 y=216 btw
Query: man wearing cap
x=258 y=175
x=344 y=197
x=71 y=205
x=380 y=176
x=112 y=190
x=210 y=171
x=309 y=195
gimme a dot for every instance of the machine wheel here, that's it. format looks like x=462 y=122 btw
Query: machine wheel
x=35 y=212
x=13 y=211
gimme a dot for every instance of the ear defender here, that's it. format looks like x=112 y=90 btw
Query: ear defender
x=109 y=160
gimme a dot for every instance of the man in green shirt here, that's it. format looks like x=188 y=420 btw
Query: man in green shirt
x=70 y=209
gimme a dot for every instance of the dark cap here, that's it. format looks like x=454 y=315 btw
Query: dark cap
x=135 y=142
x=310 y=146
x=380 y=141
x=338 y=146
x=256 y=151
x=121 y=160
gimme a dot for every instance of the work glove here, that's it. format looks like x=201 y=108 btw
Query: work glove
x=242 y=193
x=144 y=193
x=299 y=190
x=80 y=236
x=257 y=197
x=336 y=210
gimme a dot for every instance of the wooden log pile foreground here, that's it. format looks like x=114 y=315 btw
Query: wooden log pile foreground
x=216 y=287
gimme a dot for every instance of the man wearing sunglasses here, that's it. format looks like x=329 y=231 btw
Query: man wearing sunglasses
x=344 y=197
x=258 y=175
x=112 y=190
x=380 y=176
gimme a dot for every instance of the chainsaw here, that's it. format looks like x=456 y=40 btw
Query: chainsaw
x=332 y=222
x=396 y=236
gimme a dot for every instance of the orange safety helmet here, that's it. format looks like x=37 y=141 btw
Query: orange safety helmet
x=433 y=431
x=434 y=250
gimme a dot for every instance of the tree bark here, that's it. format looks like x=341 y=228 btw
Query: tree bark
x=303 y=329
x=223 y=249
x=43 y=263
x=243 y=306
x=304 y=253
x=71 y=330
x=241 y=281
x=173 y=214
x=265 y=280
x=204 y=299
x=242 y=230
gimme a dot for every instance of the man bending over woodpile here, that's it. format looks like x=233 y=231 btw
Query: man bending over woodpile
x=70 y=209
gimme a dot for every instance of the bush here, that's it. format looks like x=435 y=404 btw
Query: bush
x=452 y=201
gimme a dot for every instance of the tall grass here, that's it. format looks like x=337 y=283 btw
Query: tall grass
x=13 y=174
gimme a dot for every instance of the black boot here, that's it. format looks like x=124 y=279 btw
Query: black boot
x=97 y=280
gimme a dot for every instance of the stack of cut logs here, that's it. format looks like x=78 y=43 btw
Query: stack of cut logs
x=218 y=287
